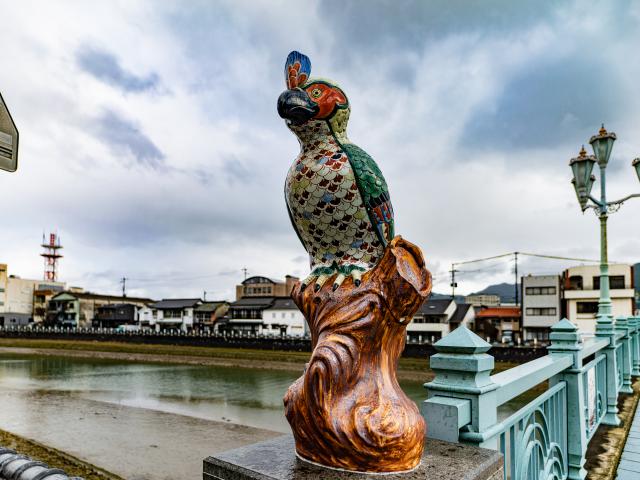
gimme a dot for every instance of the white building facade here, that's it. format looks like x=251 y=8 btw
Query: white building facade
x=175 y=314
x=16 y=297
x=582 y=293
x=285 y=318
x=437 y=318
x=541 y=305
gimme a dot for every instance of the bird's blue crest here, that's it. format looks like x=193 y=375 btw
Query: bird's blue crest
x=297 y=69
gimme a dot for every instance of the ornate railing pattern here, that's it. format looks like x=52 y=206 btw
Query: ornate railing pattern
x=595 y=373
x=547 y=439
x=537 y=436
x=619 y=363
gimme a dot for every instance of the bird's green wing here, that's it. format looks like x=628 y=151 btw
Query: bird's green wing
x=374 y=191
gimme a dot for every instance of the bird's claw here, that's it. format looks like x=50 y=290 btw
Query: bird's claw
x=320 y=276
x=321 y=280
x=338 y=281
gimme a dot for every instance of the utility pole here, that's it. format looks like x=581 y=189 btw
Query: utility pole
x=516 y=282
x=245 y=271
x=453 y=281
x=204 y=295
x=123 y=281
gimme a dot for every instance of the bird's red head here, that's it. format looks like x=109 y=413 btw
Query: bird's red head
x=328 y=98
x=307 y=99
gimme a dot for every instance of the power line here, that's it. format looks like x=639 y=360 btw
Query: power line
x=453 y=270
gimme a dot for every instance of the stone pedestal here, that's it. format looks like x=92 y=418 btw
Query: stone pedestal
x=276 y=460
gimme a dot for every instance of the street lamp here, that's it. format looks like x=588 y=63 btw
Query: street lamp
x=583 y=181
x=8 y=139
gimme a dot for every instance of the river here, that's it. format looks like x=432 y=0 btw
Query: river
x=144 y=421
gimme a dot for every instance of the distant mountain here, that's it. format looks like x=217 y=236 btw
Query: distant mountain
x=505 y=291
x=457 y=298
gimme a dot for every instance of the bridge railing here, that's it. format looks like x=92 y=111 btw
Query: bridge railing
x=548 y=437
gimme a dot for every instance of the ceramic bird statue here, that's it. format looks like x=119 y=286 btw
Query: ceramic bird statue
x=337 y=198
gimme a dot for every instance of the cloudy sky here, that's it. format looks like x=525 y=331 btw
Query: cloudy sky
x=150 y=139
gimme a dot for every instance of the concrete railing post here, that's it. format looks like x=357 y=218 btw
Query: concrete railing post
x=565 y=340
x=605 y=329
x=462 y=392
x=622 y=326
x=635 y=346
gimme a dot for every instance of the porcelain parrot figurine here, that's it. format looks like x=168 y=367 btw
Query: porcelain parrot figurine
x=337 y=198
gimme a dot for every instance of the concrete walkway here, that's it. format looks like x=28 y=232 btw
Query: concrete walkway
x=629 y=466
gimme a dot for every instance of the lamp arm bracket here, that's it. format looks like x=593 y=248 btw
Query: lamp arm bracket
x=597 y=202
x=622 y=200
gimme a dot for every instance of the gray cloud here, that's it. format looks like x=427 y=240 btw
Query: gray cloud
x=432 y=84
x=547 y=104
x=105 y=67
x=125 y=138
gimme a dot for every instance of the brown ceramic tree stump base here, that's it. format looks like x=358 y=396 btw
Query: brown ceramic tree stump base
x=347 y=411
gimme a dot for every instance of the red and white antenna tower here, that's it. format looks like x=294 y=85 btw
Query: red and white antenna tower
x=51 y=256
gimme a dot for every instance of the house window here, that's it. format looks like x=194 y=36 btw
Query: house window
x=540 y=290
x=575 y=282
x=616 y=282
x=537 y=312
x=172 y=314
x=587 y=307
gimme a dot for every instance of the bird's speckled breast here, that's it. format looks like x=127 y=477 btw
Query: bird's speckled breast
x=326 y=205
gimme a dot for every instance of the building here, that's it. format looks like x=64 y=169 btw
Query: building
x=464 y=315
x=79 y=309
x=246 y=314
x=482 y=300
x=146 y=317
x=175 y=313
x=436 y=318
x=581 y=294
x=498 y=323
x=285 y=318
x=265 y=287
x=541 y=306
x=17 y=297
x=115 y=314
x=253 y=297
x=41 y=298
x=207 y=314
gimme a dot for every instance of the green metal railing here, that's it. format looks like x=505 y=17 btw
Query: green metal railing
x=547 y=439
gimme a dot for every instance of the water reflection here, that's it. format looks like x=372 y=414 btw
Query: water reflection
x=238 y=395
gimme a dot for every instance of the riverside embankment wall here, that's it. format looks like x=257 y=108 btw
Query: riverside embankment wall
x=504 y=353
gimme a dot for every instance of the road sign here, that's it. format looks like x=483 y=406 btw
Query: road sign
x=8 y=140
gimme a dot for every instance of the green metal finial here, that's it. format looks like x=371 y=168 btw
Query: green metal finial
x=462 y=340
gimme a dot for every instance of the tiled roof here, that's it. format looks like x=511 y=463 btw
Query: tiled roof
x=245 y=302
x=460 y=313
x=172 y=303
x=98 y=296
x=434 y=307
x=208 y=307
x=284 y=303
x=499 y=312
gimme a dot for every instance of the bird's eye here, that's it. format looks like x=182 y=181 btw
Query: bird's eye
x=316 y=92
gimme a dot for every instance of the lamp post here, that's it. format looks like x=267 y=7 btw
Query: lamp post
x=8 y=139
x=583 y=181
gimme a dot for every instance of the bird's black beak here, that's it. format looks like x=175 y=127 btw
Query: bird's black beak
x=296 y=106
